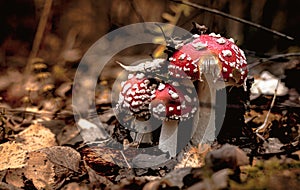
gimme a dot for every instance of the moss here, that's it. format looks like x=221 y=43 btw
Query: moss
x=268 y=174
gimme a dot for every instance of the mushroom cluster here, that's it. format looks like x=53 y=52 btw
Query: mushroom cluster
x=210 y=61
x=143 y=96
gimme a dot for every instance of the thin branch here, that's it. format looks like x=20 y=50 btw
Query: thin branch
x=233 y=18
x=39 y=33
x=125 y=159
x=255 y=63
x=137 y=12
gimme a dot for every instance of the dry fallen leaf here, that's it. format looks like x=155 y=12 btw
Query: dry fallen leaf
x=12 y=155
x=35 y=137
x=36 y=158
x=46 y=168
x=50 y=166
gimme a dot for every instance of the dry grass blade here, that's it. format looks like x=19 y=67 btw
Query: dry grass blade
x=264 y=125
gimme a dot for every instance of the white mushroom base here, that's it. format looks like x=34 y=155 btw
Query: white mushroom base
x=168 y=137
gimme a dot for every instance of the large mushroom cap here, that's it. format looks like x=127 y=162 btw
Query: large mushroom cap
x=210 y=54
x=172 y=103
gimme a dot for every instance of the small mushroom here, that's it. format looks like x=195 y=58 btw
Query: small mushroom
x=134 y=99
x=136 y=95
x=217 y=62
x=171 y=105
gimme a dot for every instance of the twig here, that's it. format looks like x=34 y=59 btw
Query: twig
x=162 y=31
x=233 y=18
x=264 y=125
x=39 y=33
x=255 y=63
x=128 y=165
x=137 y=12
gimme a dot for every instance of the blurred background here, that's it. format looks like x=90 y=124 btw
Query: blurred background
x=82 y=22
x=72 y=26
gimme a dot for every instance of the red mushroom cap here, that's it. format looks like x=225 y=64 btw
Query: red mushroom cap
x=171 y=103
x=211 y=54
x=136 y=94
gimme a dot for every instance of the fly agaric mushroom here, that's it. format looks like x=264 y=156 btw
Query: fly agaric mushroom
x=134 y=99
x=136 y=95
x=220 y=60
x=171 y=105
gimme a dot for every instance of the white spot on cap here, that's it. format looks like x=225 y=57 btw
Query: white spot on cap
x=142 y=85
x=221 y=41
x=161 y=86
x=226 y=53
x=231 y=40
x=135 y=86
x=128 y=99
x=225 y=69
x=182 y=56
x=159 y=108
x=187 y=98
x=174 y=95
x=142 y=91
x=186 y=69
x=175 y=83
x=171 y=59
x=189 y=58
x=179 y=45
x=215 y=35
x=196 y=36
x=130 y=76
x=136 y=103
x=140 y=75
x=243 y=54
x=232 y=64
x=171 y=108
x=123 y=83
x=230 y=75
x=126 y=87
x=178 y=108
x=221 y=58
x=235 y=48
x=199 y=45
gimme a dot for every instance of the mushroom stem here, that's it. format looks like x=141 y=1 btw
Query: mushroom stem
x=144 y=134
x=205 y=130
x=168 y=137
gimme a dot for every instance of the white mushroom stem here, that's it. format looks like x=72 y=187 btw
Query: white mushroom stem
x=144 y=134
x=168 y=137
x=204 y=132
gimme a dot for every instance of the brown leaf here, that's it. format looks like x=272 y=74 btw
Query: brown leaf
x=50 y=166
x=12 y=155
x=46 y=168
x=35 y=137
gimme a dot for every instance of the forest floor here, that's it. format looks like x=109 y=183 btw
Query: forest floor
x=42 y=147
